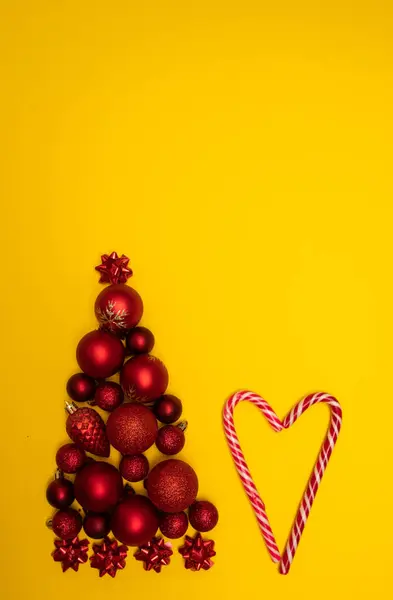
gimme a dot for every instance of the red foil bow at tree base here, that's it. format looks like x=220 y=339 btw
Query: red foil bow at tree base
x=197 y=553
x=155 y=554
x=108 y=557
x=114 y=269
x=71 y=553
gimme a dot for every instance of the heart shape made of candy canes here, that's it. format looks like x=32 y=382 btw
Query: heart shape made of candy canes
x=316 y=476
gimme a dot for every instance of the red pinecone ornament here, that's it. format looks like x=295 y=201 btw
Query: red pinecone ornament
x=71 y=553
x=87 y=430
x=108 y=557
x=155 y=554
x=197 y=553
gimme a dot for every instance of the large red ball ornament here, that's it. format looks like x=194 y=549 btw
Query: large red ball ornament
x=60 y=492
x=203 y=515
x=131 y=428
x=144 y=378
x=66 y=523
x=70 y=458
x=172 y=485
x=134 y=468
x=100 y=354
x=134 y=521
x=97 y=525
x=174 y=525
x=140 y=340
x=98 y=487
x=118 y=308
x=81 y=387
x=168 y=408
x=108 y=396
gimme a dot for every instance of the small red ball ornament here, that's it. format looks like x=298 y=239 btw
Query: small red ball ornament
x=172 y=485
x=86 y=428
x=70 y=458
x=81 y=387
x=100 y=354
x=144 y=378
x=108 y=396
x=168 y=408
x=98 y=487
x=134 y=521
x=97 y=525
x=60 y=492
x=66 y=523
x=131 y=428
x=174 y=525
x=140 y=340
x=170 y=439
x=134 y=467
x=118 y=308
x=203 y=515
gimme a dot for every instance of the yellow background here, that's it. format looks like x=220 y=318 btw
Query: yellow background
x=240 y=153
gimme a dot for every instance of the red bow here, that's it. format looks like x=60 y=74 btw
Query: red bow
x=108 y=557
x=155 y=554
x=114 y=268
x=71 y=553
x=197 y=553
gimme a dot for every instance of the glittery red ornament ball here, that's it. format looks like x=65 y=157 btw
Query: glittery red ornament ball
x=108 y=396
x=131 y=428
x=134 y=467
x=140 y=340
x=118 y=308
x=174 y=525
x=100 y=354
x=172 y=485
x=144 y=378
x=203 y=515
x=66 y=523
x=134 y=520
x=81 y=387
x=168 y=408
x=170 y=439
x=97 y=525
x=60 y=492
x=98 y=487
x=70 y=458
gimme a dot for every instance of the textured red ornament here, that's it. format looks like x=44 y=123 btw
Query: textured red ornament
x=66 y=523
x=197 y=553
x=168 y=408
x=97 y=525
x=170 y=439
x=108 y=557
x=131 y=428
x=144 y=378
x=86 y=428
x=155 y=554
x=134 y=520
x=108 y=396
x=100 y=354
x=203 y=515
x=114 y=268
x=71 y=553
x=134 y=467
x=70 y=458
x=81 y=387
x=98 y=487
x=60 y=492
x=118 y=308
x=139 y=340
x=172 y=485
x=174 y=525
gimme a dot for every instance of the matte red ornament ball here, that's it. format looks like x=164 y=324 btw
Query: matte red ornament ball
x=134 y=467
x=98 y=487
x=144 y=378
x=108 y=396
x=134 y=521
x=118 y=308
x=81 y=387
x=70 y=458
x=66 y=523
x=168 y=408
x=60 y=492
x=97 y=525
x=172 y=485
x=174 y=525
x=170 y=439
x=100 y=354
x=131 y=428
x=203 y=515
x=140 y=340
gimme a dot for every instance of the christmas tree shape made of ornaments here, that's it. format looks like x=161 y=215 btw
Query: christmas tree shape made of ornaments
x=110 y=512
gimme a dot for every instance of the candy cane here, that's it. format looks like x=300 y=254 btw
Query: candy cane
x=314 y=481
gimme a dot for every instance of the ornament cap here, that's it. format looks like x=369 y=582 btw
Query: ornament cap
x=182 y=425
x=70 y=407
x=59 y=474
x=48 y=523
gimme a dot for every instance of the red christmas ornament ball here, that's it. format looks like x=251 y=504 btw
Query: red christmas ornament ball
x=70 y=458
x=144 y=378
x=81 y=387
x=97 y=525
x=134 y=468
x=203 y=515
x=170 y=439
x=60 y=492
x=66 y=523
x=118 y=308
x=108 y=396
x=140 y=340
x=174 y=525
x=100 y=354
x=172 y=485
x=168 y=408
x=131 y=428
x=98 y=487
x=134 y=521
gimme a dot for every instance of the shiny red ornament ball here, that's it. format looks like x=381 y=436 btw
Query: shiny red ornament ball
x=66 y=523
x=140 y=340
x=87 y=430
x=98 y=487
x=118 y=308
x=134 y=467
x=172 y=485
x=144 y=378
x=70 y=458
x=134 y=521
x=97 y=525
x=203 y=515
x=131 y=428
x=100 y=354
x=108 y=396
x=170 y=439
x=168 y=408
x=174 y=525
x=81 y=387
x=60 y=492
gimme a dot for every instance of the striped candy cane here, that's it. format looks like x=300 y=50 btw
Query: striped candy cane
x=309 y=495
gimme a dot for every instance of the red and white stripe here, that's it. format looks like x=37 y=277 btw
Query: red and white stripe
x=309 y=495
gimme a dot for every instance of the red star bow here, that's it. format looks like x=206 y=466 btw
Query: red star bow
x=155 y=554
x=197 y=553
x=71 y=553
x=108 y=557
x=114 y=268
